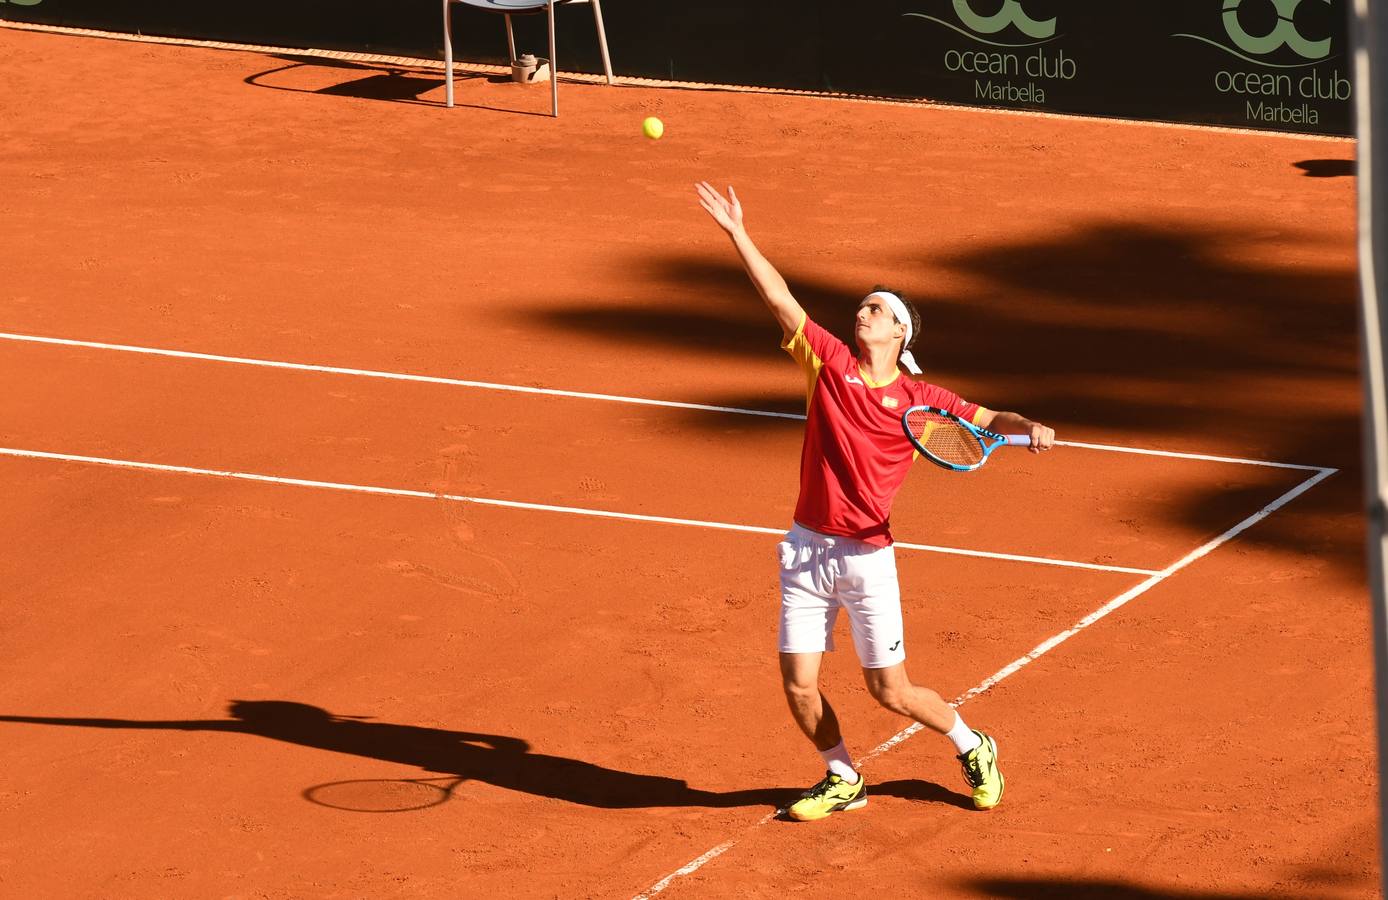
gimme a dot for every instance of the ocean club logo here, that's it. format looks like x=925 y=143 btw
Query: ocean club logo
x=1282 y=32
x=1011 y=13
x=1288 y=78
x=1012 y=46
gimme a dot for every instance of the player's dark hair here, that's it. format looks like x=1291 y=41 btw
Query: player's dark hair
x=910 y=309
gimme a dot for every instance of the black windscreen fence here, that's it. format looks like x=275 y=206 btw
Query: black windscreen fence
x=1272 y=64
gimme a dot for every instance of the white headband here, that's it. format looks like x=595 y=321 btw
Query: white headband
x=899 y=310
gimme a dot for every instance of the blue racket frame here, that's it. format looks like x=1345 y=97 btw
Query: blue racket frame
x=988 y=440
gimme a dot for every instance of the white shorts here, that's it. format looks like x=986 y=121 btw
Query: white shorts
x=821 y=573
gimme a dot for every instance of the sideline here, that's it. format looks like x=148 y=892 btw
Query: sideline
x=517 y=504
x=1016 y=665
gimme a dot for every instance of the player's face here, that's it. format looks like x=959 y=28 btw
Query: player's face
x=876 y=325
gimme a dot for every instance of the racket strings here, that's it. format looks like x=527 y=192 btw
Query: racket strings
x=945 y=440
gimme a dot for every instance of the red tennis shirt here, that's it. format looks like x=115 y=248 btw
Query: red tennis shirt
x=855 y=457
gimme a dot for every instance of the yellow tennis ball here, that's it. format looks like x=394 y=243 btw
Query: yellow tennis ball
x=652 y=128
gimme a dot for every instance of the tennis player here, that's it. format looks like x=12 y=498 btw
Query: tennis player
x=839 y=553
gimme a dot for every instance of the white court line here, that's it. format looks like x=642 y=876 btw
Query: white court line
x=1153 y=577
x=517 y=504
x=1016 y=665
x=393 y=376
x=554 y=392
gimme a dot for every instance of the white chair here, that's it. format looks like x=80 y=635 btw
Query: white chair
x=510 y=8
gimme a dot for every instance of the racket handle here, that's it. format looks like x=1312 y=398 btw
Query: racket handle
x=1017 y=440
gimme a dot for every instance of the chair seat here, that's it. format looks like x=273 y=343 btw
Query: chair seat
x=510 y=7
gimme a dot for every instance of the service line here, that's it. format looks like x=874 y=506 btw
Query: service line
x=518 y=504
x=555 y=392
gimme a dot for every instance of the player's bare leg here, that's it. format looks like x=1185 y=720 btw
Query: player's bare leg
x=978 y=753
x=893 y=689
x=842 y=787
x=809 y=708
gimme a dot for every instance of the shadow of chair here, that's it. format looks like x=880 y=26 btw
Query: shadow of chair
x=509 y=8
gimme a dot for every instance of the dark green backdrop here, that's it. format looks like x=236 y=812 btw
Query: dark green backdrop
x=1278 y=64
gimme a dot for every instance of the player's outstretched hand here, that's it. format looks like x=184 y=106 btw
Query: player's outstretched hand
x=727 y=212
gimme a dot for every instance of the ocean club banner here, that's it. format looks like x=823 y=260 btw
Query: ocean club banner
x=1272 y=64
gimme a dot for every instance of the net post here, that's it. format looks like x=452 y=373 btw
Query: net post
x=1369 y=34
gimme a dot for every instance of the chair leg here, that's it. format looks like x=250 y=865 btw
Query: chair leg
x=602 y=40
x=510 y=40
x=448 y=53
x=553 y=67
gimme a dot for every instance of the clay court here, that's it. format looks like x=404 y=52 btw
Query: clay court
x=392 y=491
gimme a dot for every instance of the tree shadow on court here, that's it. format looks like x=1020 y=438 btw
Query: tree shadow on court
x=498 y=760
x=1326 y=168
x=1144 y=332
x=1137 y=333
x=723 y=319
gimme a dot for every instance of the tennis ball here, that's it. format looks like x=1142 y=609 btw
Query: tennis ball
x=652 y=128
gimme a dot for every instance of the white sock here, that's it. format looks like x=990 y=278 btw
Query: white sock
x=840 y=763
x=964 y=738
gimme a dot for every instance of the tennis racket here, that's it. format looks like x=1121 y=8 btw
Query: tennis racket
x=952 y=443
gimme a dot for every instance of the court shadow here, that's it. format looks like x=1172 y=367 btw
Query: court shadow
x=382 y=82
x=912 y=789
x=384 y=86
x=1326 y=168
x=1092 y=889
x=498 y=760
x=1145 y=334
x=728 y=318
x=919 y=791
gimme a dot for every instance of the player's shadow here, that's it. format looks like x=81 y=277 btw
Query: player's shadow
x=499 y=760
x=918 y=791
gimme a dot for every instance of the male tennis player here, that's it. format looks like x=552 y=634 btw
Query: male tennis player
x=839 y=553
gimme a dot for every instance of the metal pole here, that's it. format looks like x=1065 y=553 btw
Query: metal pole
x=553 y=66
x=1369 y=32
x=448 y=54
x=602 y=39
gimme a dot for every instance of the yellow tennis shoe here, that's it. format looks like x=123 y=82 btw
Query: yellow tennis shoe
x=829 y=796
x=981 y=772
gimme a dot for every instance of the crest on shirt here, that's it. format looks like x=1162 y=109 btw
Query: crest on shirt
x=890 y=402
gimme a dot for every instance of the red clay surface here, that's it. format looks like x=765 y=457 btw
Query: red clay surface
x=197 y=675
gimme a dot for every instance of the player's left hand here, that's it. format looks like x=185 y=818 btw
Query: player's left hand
x=1042 y=438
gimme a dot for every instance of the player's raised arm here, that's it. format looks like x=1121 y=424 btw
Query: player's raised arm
x=1042 y=437
x=727 y=212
